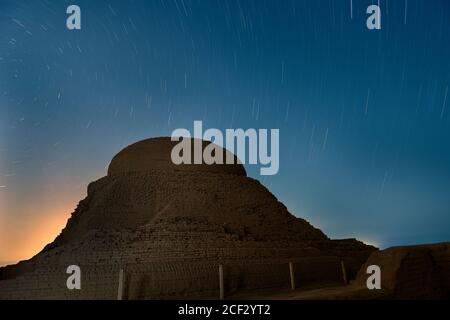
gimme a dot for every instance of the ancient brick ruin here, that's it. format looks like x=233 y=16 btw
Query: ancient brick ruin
x=169 y=227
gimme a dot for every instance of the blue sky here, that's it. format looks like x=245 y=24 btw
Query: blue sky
x=363 y=115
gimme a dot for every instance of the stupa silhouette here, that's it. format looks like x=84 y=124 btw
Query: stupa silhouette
x=169 y=227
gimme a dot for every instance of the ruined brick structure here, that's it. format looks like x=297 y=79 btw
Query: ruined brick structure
x=169 y=227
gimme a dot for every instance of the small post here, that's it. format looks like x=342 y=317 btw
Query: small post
x=120 y=290
x=344 y=272
x=221 y=288
x=292 y=275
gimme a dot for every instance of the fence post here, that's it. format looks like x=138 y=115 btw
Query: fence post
x=292 y=275
x=120 y=290
x=344 y=272
x=221 y=288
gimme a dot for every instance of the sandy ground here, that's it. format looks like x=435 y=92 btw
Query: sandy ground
x=350 y=292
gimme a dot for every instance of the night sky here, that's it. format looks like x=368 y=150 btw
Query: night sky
x=364 y=116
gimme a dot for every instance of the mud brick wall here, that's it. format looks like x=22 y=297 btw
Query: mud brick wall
x=418 y=272
x=171 y=279
x=201 y=279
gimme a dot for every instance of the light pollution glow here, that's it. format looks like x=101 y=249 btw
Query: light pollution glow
x=32 y=234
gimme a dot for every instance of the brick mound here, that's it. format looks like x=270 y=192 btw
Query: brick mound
x=407 y=273
x=412 y=272
x=155 y=154
x=169 y=227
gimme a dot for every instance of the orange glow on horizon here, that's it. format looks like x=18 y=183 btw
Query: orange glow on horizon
x=32 y=235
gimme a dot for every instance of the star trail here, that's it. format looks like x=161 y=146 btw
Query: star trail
x=363 y=114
